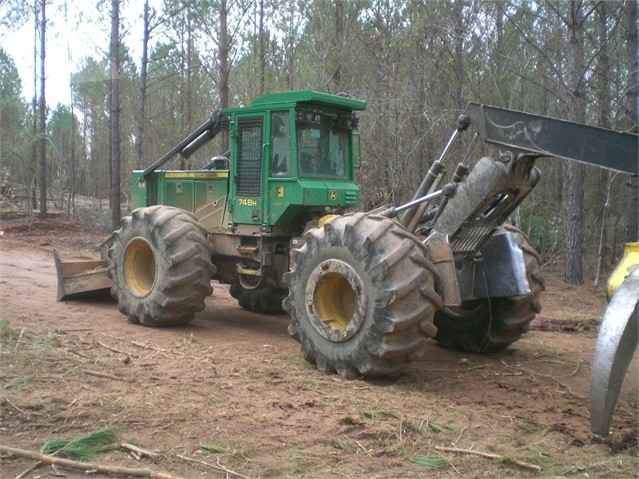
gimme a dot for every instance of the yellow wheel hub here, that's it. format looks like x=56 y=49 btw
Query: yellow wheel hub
x=336 y=300
x=139 y=267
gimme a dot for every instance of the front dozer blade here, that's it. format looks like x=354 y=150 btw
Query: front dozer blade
x=77 y=277
x=616 y=344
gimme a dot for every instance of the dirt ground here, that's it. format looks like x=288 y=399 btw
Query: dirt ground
x=230 y=396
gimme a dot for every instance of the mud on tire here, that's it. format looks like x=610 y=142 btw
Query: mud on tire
x=491 y=325
x=266 y=300
x=160 y=266
x=361 y=296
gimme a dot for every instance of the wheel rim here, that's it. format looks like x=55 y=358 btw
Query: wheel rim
x=336 y=300
x=139 y=267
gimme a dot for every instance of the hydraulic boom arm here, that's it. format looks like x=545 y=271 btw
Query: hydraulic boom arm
x=529 y=137
x=203 y=134
x=543 y=136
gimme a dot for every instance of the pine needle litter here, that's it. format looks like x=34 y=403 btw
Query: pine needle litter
x=86 y=446
x=433 y=463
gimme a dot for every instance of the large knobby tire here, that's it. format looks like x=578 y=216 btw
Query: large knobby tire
x=267 y=300
x=361 y=296
x=491 y=325
x=160 y=266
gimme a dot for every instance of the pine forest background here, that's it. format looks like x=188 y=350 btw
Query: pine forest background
x=416 y=62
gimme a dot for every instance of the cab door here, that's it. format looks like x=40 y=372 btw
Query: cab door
x=249 y=153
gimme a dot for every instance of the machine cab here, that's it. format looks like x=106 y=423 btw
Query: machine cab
x=291 y=159
x=292 y=155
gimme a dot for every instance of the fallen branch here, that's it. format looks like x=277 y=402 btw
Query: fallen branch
x=576 y=369
x=145 y=346
x=139 y=451
x=19 y=339
x=18 y=409
x=28 y=471
x=559 y=383
x=362 y=447
x=103 y=375
x=552 y=378
x=489 y=455
x=218 y=467
x=86 y=466
x=72 y=351
x=110 y=348
x=15 y=407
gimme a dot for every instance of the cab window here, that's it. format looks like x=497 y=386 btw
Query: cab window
x=280 y=144
x=322 y=150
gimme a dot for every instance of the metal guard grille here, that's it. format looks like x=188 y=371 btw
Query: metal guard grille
x=470 y=238
x=249 y=157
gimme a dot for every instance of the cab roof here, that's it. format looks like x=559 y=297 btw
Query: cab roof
x=307 y=97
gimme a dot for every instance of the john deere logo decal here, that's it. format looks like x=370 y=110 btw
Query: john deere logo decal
x=332 y=195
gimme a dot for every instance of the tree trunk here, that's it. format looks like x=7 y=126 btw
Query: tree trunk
x=603 y=64
x=224 y=64
x=632 y=96
x=460 y=34
x=458 y=101
x=43 y=115
x=262 y=49
x=574 y=174
x=31 y=171
x=290 y=48
x=114 y=96
x=139 y=137
x=74 y=169
x=95 y=167
x=603 y=102
x=337 y=76
x=499 y=47
x=187 y=113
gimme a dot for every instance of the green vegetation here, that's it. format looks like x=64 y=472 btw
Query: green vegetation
x=18 y=383
x=86 y=446
x=7 y=332
x=214 y=448
x=433 y=463
x=52 y=340
x=379 y=413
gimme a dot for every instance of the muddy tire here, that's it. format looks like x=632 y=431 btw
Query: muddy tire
x=491 y=325
x=361 y=296
x=160 y=266
x=266 y=300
